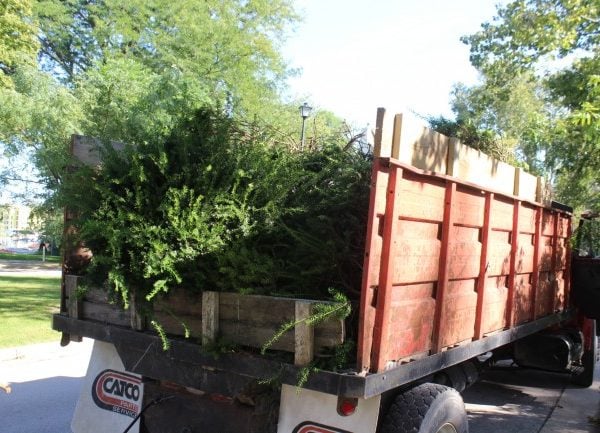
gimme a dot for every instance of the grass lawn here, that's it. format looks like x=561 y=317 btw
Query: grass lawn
x=32 y=257
x=26 y=305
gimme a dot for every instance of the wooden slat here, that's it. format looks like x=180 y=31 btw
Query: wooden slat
x=73 y=301
x=210 y=317
x=537 y=249
x=247 y=320
x=382 y=320
x=444 y=270
x=395 y=138
x=526 y=185
x=74 y=307
x=180 y=324
x=472 y=165
x=259 y=310
x=135 y=311
x=377 y=138
x=554 y=266
x=106 y=313
x=304 y=336
x=567 y=275
x=510 y=302
x=483 y=265
x=418 y=145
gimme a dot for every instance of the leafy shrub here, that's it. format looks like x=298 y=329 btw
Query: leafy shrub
x=222 y=206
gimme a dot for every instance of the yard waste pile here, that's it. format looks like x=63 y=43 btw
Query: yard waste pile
x=223 y=206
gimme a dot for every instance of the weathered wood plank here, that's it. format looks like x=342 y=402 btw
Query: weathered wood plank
x=210 y=317
x=73 y=302
x=106 y=313
x=472 y=165
x=420 y=146
x=247 y=320
x=304 y=335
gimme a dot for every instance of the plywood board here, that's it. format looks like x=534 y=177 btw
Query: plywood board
x=474 y=166
x=406 y=137
x=527 y=185
x=420 y=146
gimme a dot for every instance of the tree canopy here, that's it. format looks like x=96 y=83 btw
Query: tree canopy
x=18 y=43
x=132 y=71
x=540 y=64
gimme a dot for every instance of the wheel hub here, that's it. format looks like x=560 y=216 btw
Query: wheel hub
x=447 y=428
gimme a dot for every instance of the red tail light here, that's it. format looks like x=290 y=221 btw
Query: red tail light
x=347 y=406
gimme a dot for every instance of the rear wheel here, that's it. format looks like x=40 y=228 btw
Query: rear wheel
x=427 y=408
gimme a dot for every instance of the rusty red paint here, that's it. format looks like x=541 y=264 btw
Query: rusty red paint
x=448 y=262
x=483 y=265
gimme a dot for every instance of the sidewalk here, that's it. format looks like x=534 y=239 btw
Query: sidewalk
x=577 y=410
x=29 y=268
x=44 y=351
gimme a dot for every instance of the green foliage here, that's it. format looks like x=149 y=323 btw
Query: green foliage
x=587 y=238
x=468 y=133
x=227 y=49
x=526 y=31
x=221 y=205
x=18 y=44
x=162 y=334
x=550 y=109
x=132 y=72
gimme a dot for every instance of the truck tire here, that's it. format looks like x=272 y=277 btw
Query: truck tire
x=585 y=377
x=427 y=408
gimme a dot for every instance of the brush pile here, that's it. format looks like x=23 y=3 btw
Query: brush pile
x=222 y=206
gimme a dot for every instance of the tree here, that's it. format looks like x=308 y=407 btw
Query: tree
x=132 y=71
x=226 y=50
x=522 y=43
x=18 y=43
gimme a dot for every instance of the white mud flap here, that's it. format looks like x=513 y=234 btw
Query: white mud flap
x=111 y=397
x=306 y=411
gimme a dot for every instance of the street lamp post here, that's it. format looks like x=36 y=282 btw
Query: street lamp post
x=305 y=110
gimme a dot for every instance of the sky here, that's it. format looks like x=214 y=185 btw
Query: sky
x=404 y=55
x=356 y=55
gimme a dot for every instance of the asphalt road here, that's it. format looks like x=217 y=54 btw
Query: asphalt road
x=46 y=381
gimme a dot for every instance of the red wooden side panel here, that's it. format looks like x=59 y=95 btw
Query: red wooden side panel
x=448 y=262
x=372 y=260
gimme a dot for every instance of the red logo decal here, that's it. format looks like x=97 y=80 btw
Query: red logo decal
x=117 y=392
x=311 y=427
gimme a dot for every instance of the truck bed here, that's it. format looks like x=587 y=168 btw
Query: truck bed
x=459 y=260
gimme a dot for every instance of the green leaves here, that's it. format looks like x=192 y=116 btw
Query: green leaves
x=219 y=206
x=18 y=44
x=552 y=109
x=527 y=30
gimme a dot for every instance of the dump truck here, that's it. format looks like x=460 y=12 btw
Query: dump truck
x=466 y=260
